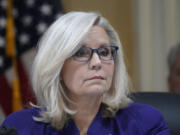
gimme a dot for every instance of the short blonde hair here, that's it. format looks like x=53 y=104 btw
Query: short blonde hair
x=59 y=42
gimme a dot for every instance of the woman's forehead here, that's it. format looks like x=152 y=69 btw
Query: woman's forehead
x=96 y=36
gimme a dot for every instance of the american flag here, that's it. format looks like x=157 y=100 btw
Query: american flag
x=31 y=19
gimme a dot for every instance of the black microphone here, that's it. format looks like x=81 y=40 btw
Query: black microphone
x=6 y=130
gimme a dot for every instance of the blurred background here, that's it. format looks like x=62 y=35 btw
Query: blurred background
x=147 y=30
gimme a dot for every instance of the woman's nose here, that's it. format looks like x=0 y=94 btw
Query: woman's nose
x=95 y=62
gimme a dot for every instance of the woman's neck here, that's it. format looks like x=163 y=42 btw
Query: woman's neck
x=86 y=112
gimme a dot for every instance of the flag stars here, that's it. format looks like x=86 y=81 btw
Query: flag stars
x=46 y=9
x=41 y=27
x=3 y=4
x=2 y=42
x=30 y=3
x=15 y=13
x=24 y=39
x=58 y=15
x=1 y=61
x=27 y=20
x=3 y=22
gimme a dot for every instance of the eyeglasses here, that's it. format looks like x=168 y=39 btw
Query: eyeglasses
x=105 y=53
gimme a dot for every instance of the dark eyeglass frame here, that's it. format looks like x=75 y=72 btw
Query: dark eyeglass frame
x=97 y=51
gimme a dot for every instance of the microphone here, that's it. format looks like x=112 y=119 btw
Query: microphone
x=6 y=130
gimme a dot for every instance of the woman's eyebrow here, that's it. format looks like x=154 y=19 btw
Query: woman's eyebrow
x=104 y=45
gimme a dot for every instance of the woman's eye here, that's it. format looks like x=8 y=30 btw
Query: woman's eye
x=104 y=51
x=82 y=53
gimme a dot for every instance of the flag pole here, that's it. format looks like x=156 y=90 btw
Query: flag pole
x=11 y=52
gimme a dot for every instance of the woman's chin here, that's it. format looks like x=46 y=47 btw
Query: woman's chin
x=95 y=90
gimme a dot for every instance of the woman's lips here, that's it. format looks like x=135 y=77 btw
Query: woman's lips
x=96 y=77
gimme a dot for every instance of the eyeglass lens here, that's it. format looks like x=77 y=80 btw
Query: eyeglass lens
x=104 y=52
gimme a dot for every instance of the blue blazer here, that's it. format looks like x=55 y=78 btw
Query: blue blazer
x=136 y=119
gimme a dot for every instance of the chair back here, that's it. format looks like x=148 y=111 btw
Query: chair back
x=167 y=103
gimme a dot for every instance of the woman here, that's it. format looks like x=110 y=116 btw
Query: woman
x=81 y=84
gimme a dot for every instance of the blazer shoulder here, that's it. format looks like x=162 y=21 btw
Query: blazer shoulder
x=147 y=117
x=21 y=118
x=24 y=123
x=143 y=112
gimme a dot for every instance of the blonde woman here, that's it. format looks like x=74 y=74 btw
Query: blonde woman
x=81 y=84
